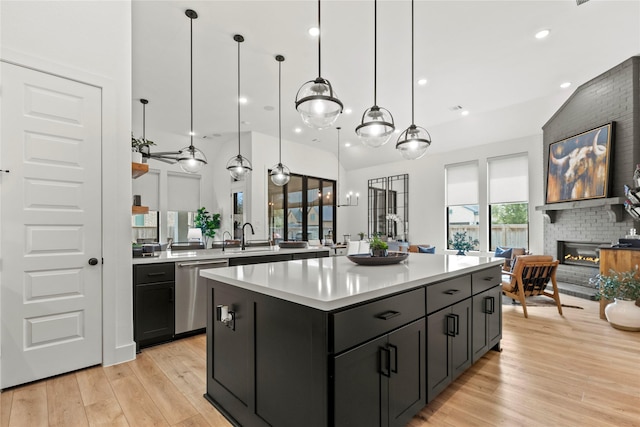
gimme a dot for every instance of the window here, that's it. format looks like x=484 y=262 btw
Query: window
x=302 y=210
x=508 y=192
x=462 y=200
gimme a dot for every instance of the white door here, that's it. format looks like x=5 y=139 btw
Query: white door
x=50 y=214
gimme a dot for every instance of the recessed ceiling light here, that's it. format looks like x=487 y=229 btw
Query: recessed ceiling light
x=542 y=34
x=347 y=110
x=242 y=100
x=347 y=144
x=297 y=130
x=269 y=108
x=192 y=133
x=422 y=82
x=397 y=130
x=314 y=31
x=464 y=113
x=565 y=85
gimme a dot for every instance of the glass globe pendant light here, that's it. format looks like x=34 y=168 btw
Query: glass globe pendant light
x=377 y=125
x=191 y=159
x=239 y=166
x=414 y=141
x=280 y=174
x=316 y=101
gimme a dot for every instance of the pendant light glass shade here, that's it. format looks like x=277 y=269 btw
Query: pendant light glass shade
x=280 y=174
x=190 y=159
x=377 y=125
x=413 y=142
x=239 y=166
x=316 y=101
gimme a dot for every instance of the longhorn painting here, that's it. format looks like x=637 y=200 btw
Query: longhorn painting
x=579 y=166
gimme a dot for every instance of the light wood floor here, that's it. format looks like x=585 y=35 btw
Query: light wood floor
x=553 y=371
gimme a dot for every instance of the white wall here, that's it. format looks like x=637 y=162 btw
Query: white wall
x=90 y=42
x=427 y=219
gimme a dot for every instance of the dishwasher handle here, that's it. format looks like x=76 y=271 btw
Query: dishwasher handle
x=220 y=263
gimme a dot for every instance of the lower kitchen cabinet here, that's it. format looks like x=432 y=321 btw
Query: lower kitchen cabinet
x=487 y=321
x=153 y=304
x=448 y=346
x=381 y=383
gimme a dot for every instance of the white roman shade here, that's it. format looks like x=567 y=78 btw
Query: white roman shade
x=462 y=184
x=508 y=179
x=183 y=192
x=148 y=187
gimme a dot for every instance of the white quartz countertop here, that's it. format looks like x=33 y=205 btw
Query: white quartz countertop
x=333 y=283
x=208 y=254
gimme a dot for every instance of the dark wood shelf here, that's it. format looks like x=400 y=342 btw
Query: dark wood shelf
x=139 y=210
x=138 y=169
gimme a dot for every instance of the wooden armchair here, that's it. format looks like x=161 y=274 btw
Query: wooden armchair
x=529 y=277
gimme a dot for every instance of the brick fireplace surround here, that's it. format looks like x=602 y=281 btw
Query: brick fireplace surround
x=613 y=96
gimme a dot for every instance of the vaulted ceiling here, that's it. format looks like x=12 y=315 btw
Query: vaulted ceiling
x=479 y=55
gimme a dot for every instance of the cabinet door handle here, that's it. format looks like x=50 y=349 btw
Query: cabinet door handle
x=388 y=315
x=491 y=306
x=452 y=291
x=155 y=274
x=488 y=278
x=451 y=325
x=384 y=361
x=394 y=356
x=173 y=294
x=457 y=323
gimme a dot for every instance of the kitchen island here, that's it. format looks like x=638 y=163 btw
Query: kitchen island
x=325 y=342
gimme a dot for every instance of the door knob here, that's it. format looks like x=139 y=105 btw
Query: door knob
x=93 y=261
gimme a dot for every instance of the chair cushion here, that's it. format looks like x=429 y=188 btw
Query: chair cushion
x=503 y=252
x=427 y=250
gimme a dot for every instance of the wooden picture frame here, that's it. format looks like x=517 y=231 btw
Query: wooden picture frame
x=578 y=167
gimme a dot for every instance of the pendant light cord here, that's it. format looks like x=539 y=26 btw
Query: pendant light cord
x=413 y=121
x=191 y=79
x=280 y=112
x=144 y=126
x=338 y=182
x=238 y=97
x=375 y=51
x=319 y=42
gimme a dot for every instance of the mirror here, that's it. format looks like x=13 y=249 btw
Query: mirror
x=388 y=206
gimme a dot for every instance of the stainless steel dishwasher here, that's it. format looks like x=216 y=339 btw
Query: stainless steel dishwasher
x=191 y=301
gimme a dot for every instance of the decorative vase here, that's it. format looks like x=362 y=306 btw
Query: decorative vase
x=378 y=252
x=623 y=314
x=136 y=157
x=460 y=252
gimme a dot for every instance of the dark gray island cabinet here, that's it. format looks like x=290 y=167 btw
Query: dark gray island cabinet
x=324 y=342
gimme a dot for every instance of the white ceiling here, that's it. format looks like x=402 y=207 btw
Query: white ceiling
x=481 y=55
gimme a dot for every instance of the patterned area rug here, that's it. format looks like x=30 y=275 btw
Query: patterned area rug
x=539 y=301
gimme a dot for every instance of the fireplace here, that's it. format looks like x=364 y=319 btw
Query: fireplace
x=584 y=254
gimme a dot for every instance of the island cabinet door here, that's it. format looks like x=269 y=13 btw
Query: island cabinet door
x=448 y=346
x=487 y=321
x=382 y=382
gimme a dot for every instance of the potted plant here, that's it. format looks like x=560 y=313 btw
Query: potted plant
x=623 y=288
x=208 y=223
x=138 y=147
x=463 y=243
x=361 y=234
x=377 y=247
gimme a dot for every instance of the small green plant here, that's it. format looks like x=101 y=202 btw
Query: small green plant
x=208 y=223
x=621 y=285
x=138 y=143
x=463 y=243
x=361 y=234
x=377 y=244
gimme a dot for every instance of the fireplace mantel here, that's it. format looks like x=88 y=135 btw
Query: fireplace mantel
x=612 y=205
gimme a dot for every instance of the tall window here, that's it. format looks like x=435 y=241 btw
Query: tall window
x=462 y=200
x=509 y=201
x=302 y=210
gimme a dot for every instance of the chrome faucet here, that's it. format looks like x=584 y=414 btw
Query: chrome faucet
x=243 y=239
x=224 y=242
